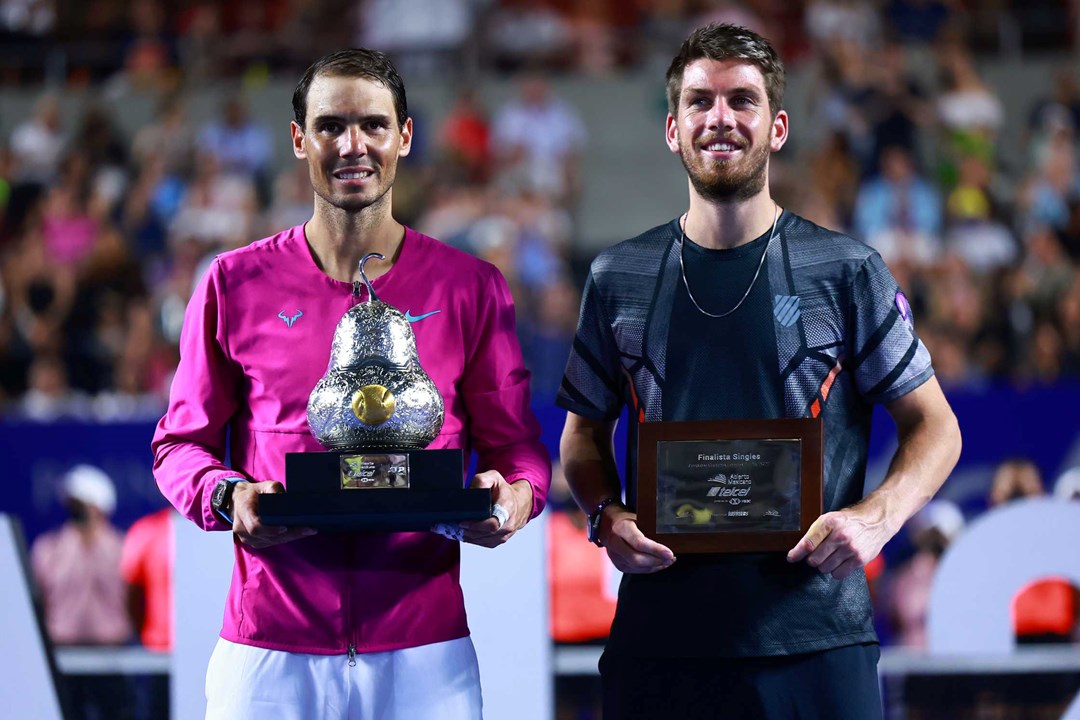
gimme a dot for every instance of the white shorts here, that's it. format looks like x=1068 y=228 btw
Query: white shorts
x=441 y=680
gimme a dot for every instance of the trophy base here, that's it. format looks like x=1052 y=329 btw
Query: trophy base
x=382 y=510
x=384 y=489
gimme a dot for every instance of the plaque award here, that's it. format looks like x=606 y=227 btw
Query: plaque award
x=375 y=410
x=729 y=485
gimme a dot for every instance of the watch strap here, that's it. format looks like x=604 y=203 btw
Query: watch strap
x=231 y=480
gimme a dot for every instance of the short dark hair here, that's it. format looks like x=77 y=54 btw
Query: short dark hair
x=721 y=41
x=357 y=62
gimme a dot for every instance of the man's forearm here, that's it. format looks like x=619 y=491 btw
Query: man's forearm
x=588 y=461
x=927 y=453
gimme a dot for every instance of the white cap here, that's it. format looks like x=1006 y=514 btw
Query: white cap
x=90 y=485
x=1067 y=487
x=944 y=516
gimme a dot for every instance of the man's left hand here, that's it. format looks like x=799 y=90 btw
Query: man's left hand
x=841 y=542
x=515 y=498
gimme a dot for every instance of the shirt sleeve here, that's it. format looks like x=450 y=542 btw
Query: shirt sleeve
x=592 y=384
x=889 y=359
x=495 y=389
x=189 y=443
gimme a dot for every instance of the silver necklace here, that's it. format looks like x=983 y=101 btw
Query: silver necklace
x=686 y=283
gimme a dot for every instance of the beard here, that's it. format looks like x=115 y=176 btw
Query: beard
x=739 y=179
x=354 y=202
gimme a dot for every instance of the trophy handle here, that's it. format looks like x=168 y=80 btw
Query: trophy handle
x=364 y=277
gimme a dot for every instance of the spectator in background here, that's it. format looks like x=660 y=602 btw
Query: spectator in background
x=582 y=596
x=465 y=139
x=240 y=145
x=77 y=569
x=1068 y=319
x=969 y=111
x=169 y=137
x=917 y=21
x=830 y=200
x=1050 y=193
x=830 y=20
x=106 y=157
x=38 y=142
x=146 y=566
x=292 y=198
x=1014 y=479
x=1046 y=271
x=149 y=52
x=538 y=141
x=68 y=227
x=897 y=106
x=548 y=333
x=931 y=531
x=201 y=44
x=1060 y=111
x=976 y=232
x=898 y=213
x=218 y=208
x=524 y=34
x=425 y=45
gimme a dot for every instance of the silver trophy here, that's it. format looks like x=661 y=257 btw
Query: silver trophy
x=374 y=395
x=375 y=410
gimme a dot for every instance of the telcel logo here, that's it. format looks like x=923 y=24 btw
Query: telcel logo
x=725 y=492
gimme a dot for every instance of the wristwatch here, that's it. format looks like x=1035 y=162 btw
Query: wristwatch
x=221 y=498
x=594 y=521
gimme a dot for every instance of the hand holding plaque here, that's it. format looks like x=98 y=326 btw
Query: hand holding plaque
x=376 y=410
x=729 y=485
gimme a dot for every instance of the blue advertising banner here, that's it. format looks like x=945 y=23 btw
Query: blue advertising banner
x=1040 y=423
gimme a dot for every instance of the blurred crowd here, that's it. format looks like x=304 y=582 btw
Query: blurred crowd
x=911 y=162
x=104 y=233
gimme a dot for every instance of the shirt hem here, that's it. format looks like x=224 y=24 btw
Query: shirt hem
x=831 y=642
x=343 y=649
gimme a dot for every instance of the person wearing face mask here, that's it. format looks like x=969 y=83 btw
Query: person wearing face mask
x=77 y=571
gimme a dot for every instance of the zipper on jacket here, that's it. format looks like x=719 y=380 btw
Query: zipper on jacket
x=352 y=655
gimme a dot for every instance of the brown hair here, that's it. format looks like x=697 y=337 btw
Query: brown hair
x=728 y=42
x=358 y=62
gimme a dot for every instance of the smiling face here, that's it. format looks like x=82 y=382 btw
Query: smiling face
x=724 y=129
x=352 y=142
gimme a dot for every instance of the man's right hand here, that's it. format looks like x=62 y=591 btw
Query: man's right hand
x=630 y=551
x=247 y=526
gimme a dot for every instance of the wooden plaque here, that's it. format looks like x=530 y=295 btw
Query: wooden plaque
x=722 y=486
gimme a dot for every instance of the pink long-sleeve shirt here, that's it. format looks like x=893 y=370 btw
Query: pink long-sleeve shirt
x=256 y=340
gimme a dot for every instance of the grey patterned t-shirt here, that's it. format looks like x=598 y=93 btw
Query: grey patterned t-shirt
x=830 y=320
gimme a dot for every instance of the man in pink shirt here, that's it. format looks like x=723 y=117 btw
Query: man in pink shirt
x=365 y=625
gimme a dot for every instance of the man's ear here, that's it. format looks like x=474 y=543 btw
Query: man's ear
x=297 y=140
x=779 y=131
x=406 y=138
x=671 y=134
